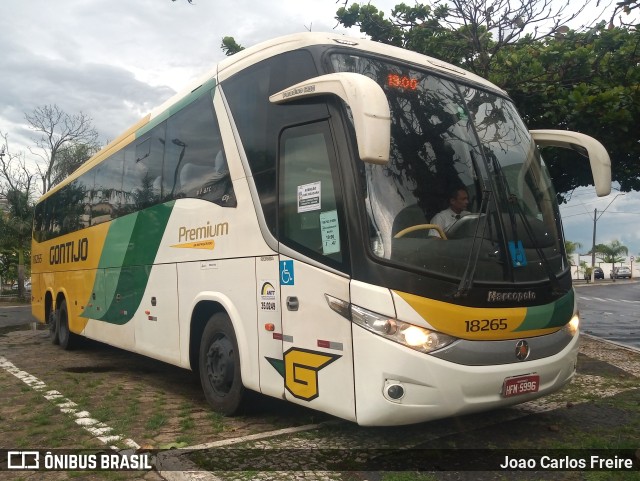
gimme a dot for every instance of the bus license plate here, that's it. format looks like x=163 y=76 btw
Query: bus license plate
x=515 y=386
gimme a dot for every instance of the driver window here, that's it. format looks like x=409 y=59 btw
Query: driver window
x=310 y=214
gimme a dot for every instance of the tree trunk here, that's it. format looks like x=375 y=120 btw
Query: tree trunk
x=21 y=294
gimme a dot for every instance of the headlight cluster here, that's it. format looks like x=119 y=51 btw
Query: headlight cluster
x=572 y=326
x=415 y=337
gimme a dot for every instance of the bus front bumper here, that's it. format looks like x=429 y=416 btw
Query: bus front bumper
x=433 y=388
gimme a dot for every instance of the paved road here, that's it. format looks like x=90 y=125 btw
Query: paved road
x=15 y=315
x=611 y=310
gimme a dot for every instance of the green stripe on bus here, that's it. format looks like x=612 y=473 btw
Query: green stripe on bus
x=126 y=261
x=556 y=314
x=117 y=241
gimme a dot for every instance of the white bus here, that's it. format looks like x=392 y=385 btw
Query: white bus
x=271 y=228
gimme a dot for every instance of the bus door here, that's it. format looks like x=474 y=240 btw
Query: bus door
x=317 y=359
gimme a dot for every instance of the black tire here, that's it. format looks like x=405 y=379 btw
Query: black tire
x=219 y=365
x=66 y=337
x=53 y=327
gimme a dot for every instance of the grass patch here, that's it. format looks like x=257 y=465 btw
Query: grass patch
x=156 y=421
x=187 y=423
x=217 y=421
x=103 y=413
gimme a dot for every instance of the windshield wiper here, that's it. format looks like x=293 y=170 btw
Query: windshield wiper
x=472 y=261
x=512 y=200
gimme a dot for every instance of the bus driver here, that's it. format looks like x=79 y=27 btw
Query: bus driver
x=458 y=202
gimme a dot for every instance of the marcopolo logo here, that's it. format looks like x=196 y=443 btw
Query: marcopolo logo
x=519 y=296
x=71 y=251
x=200 y=237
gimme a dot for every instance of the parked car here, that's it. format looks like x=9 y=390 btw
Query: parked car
x=598 y=273
x=621 y=272
x=27 y=286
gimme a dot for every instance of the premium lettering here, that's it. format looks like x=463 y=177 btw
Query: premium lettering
x=69 y=252
x=204 y=232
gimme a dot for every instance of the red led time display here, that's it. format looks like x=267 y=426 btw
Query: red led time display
x=402 y=82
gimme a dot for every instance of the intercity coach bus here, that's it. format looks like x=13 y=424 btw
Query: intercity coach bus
x=270 y=228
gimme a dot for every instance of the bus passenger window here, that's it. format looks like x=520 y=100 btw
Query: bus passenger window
x=309 y=210
x=106 y=195
x=141 y=185
x=195 y=164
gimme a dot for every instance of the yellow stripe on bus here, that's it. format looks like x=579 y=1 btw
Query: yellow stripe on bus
x=474 y=323
x=69 y=264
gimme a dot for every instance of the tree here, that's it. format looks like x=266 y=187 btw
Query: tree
x=14 y=174
x=15 y=231
x=584 y=81
x=16 y=187
x=626 y=7
x=8 y=265
x=612 y=252
x=69 y=158
x=571 y=248
x=229 y=46
x=469 y=33
x=58 y=130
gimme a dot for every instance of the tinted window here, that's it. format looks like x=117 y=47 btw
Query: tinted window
x=194 y=163
x=150 y=152
x=311 y=220
x=107 y=191
x=260 y=122
x=182 y=157
x=142 y=181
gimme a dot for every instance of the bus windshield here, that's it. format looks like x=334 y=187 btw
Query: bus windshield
x=465 y=184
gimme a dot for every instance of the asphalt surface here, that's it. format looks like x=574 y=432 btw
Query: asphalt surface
x=13 y=314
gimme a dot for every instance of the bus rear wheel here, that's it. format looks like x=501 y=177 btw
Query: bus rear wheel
x=53 y=327
x=219 y=364
x=65 y=336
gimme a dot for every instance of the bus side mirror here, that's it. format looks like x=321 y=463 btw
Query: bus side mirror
x=368 y=103
x=584 y=145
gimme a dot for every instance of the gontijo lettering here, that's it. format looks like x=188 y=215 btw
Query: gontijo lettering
x=69 y=252
x=203 y=232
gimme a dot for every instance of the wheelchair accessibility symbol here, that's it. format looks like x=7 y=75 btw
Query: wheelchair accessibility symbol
x=286 y=273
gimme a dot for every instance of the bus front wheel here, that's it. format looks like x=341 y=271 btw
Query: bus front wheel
x=220 y=366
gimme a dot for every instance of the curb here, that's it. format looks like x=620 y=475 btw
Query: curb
x=613 y=343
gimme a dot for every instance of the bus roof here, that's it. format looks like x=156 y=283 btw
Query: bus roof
x=249 y=56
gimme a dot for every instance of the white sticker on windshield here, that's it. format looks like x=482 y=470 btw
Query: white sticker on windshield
x=330 y=232
x=309 y=196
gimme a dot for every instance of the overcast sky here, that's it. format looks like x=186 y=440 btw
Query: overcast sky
x=116 y=60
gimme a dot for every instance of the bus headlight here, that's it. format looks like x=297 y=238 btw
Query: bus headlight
x=571 y=327
x=415 y=337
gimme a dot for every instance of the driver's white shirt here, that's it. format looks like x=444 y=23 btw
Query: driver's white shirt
x=445 y=219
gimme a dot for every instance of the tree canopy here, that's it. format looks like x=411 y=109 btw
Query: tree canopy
x=587 y=81
x=58 y=131
x=612 y=252
x=16 y=187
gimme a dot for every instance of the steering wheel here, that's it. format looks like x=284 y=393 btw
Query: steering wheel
x=417 y=227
